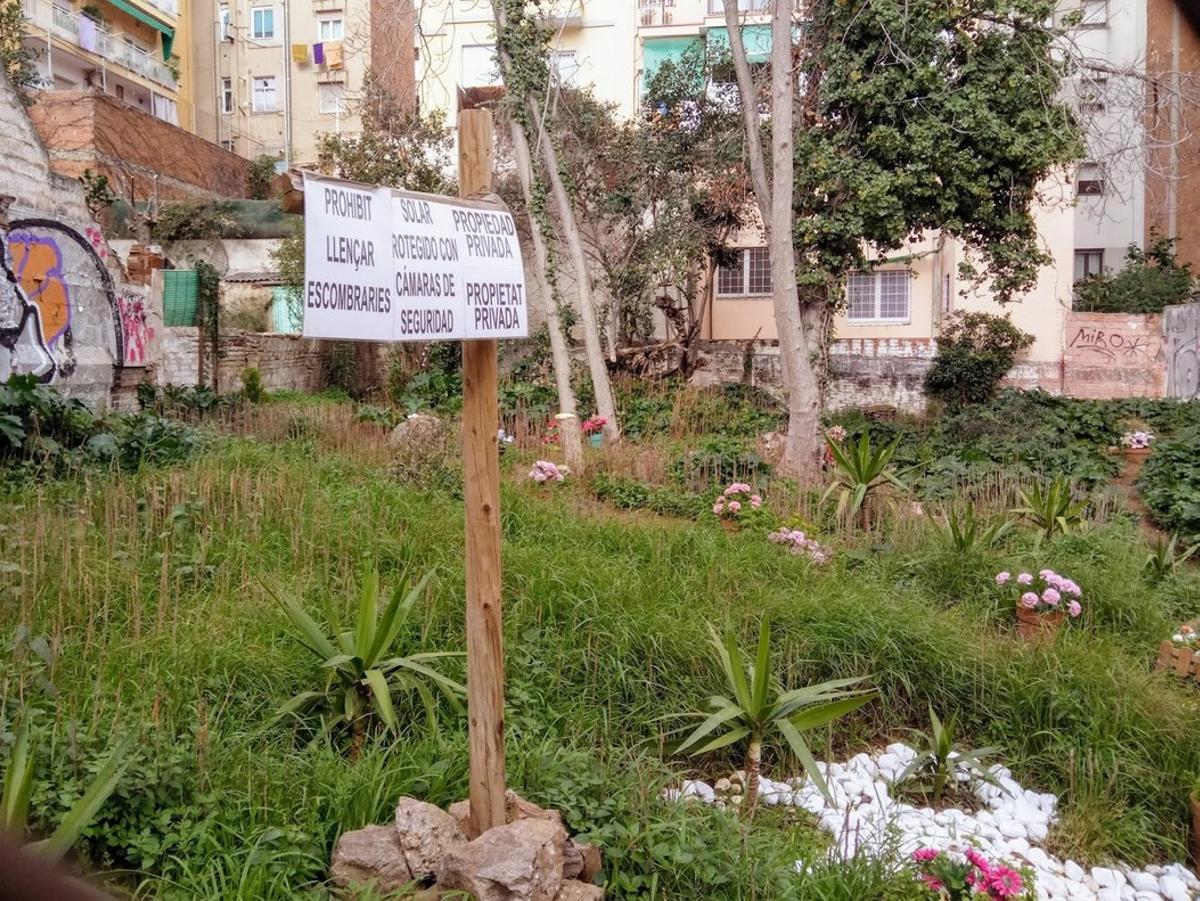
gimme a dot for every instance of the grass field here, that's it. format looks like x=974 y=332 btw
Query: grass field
x=154 y=590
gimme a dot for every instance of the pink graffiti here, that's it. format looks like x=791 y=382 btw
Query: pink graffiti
x=135 y=327
x=96 y=237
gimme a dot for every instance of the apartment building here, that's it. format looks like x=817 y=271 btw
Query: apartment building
x=1139 y=96
x=133 y=50
x=272 y=76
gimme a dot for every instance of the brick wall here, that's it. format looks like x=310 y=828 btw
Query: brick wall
x=1114 y=355
x=285 y=361
x=82 y=131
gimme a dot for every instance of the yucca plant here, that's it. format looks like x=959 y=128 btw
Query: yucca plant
x=1052 y=508
x=1165 y=556
x=860 y=471
x=963 y=533
x=362 y=671
x=933 y=769
x=759 y=706
x=18 y=787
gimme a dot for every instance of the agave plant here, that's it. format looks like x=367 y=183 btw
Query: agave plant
x=861 y=470
x=18 y=786
x=934 y=767
x=759 y=706
x=963 y=533
x=362 y=671
x=1165 y=556
x=1052 y=508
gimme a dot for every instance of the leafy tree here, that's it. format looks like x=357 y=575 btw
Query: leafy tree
x=98 y=195
x=889 y=118
x=260 y=175
x=974 y=352
x=18 y=62
x=1150 y=280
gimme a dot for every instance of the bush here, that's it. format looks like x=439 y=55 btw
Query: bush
x=1170 y=483
x=629 y=494
x=252 y=385
x=719 y=460
x=975 y=351
x=1151 y=279
x=259 y=176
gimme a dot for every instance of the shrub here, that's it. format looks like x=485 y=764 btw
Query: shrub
x=1150 y=280
x=259 y=175
x=719 y=459
x=1170 y=483
x=975 y=351
x=252 y=385
x=630 y=494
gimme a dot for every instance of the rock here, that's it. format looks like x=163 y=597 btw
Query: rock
x=1173 y=889
x=418 y=443
x=1105 y=877
x=723 y=786
x=425 y=834
x=521 y=861
x=1143 y=882
x=370 y=856
x=1073 y=871
x=694 y=788
x=461 y=811
x=579 y=891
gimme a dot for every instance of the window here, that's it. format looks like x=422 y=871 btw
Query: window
x=748 y=275
x=227 y=95
x=564 y=66
x=262 y=22
x=479 y=67
x=164 y=108
x=1093 y=13
x=1093 y=91
x=264 y=94
x=331 y=98
x=717 y=7
x=330 y=28
x=227 y=144
x=1091 y=181
x=1088 y=262
x=878 y=296
x=224 y=32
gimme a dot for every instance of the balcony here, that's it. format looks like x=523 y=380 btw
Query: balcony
x=562 y=14
x=654 y=13
x=64 y=24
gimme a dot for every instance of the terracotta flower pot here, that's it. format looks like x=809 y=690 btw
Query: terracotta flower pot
x=1031 y=624
x=1134 y=460
x=731 y=525
x=1194 y=803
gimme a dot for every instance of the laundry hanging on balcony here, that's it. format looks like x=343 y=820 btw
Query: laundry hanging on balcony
x=87 y=33
x=300 y=53
x=333 y=55
x=319 y=54
x=167 y=31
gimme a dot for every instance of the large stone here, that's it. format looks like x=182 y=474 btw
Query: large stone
x=370 y=856
x=425 y=832
x=521 y=861
x=572 y=890
x=419 y=434
x=581 y=861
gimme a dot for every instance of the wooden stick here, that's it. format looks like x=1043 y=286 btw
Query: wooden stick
x=481 y=478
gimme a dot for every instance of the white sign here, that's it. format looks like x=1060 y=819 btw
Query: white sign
x=452 y=270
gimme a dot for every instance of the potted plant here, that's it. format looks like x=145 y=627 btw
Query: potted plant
x=1135 y=444
x=1042 y=602
x=1181 y=652
x=592 y=428
x=734 y=504
x=545 y=473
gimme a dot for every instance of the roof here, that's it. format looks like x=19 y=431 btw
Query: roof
x=262 y=277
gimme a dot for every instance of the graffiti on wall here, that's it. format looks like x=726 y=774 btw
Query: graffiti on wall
x=1181 y=326
x=56 y=292
x=1111 y=345
x=135 y=327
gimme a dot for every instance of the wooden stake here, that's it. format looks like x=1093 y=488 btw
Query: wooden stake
x=481 y=478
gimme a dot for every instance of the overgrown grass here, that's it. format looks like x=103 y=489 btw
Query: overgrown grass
x=153 y=589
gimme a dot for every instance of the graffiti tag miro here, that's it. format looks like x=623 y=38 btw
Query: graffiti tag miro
x=135 y=327
x=23 y=345
x=1111 y=345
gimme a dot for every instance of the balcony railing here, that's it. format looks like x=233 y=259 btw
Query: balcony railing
x=64 y=24
x=717 y=7
x=656 y=12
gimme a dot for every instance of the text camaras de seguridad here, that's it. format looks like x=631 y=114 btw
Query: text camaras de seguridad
x=454 y=270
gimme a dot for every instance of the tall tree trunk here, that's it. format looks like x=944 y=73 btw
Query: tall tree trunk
x=597 y=367
x=773 y=192
x=568 y=425
x=753 y=769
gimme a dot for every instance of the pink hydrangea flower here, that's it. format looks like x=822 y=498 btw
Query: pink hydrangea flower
x=1029 y=600
x=1074 y=609
x=1051 y=596
x=1002 y=578
x=924 y=855
x=718 y=507
x=755 y=501
x=735 y=506
x=1024 y=579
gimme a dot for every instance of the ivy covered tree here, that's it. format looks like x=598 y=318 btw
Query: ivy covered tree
x=888 y=119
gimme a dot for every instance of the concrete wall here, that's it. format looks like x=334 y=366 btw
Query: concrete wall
x=1181 y=347
x=84 y=130
x=1114 y=355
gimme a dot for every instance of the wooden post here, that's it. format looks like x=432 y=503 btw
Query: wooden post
x=481 y=478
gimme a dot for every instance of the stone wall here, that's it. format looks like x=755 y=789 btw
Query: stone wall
x=83 y=130
x=284 y=361
x=1181 y=346
x=63 y=310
